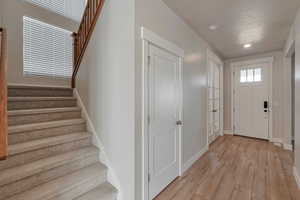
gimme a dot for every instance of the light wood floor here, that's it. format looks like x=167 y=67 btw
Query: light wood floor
x=237 y=168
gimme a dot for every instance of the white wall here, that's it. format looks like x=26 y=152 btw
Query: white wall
x=106 y=85
x=157 y=17
x=289 y=45
x=297 y=93
x=281 y=95
x=12 y=12
x=109 y=82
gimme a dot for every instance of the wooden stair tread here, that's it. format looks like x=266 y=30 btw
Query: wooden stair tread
x=43 y=125
x=17 y=173
x=21 y=99
x=38 y=87
x=103 y=192
x=65 y=184
x=45 y=142
x=41 y=111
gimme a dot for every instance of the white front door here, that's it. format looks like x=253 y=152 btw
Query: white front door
x=213 y=101
x=251 y=101
x=164 y=105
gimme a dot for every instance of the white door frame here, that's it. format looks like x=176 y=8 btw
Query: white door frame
x=288 y=53
x=211 y=56
x=149 y=38
x=233 y=66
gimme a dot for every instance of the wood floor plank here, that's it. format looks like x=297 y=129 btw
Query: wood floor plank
x=260 y=178
x=237 y=168
x=287 y=165
x=278 y=183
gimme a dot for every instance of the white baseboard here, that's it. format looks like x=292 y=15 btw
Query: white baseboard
x=288 y=147
x=187 y=165
x=276 y=141
x=277 y=144
x=297 y=177
x=228 y=132
x=103 y=158
x=221 y=132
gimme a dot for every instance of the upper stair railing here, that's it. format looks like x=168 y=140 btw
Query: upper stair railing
x=83 y=36
x=3 y=94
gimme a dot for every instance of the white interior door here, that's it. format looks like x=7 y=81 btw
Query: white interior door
x=164 y=105
x=213 y=101
x=251 y=101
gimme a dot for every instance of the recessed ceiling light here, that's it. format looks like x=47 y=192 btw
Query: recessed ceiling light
x=246 y=46
x=213 y=27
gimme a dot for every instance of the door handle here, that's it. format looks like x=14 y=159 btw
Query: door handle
x=215 y=110
x=266 y=106
x=179 y=123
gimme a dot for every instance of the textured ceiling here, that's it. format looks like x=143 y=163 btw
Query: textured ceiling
x=265 y=23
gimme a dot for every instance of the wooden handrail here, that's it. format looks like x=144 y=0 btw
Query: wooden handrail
x=83 y=36
x=3 y=94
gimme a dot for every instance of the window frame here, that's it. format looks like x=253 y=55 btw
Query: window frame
x=27 y=73
x=252 y=69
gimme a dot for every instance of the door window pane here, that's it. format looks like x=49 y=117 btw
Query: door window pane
x=250 y=77
x=243 y=76
x=257 y=75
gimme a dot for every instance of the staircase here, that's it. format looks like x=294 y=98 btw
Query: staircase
x=50 y=152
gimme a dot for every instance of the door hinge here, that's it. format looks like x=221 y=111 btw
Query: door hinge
x=149 y=177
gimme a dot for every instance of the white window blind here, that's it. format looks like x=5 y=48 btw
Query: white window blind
x=72 y=9
x=57 y=6
x=48 y=50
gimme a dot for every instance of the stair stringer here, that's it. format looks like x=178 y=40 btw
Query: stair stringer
x=103 y=158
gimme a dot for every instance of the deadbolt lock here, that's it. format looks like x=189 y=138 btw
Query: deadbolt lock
x=179 y=123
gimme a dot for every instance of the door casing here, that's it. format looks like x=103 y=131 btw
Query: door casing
x=152 y=38
x=289 y=53
x=267 y=60
x=210 y=56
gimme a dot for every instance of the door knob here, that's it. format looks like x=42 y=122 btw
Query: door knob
x=179 y=123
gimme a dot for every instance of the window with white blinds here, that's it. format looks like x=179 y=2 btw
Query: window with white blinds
x=47 y=50
x=72 y=9
x=57 y=6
